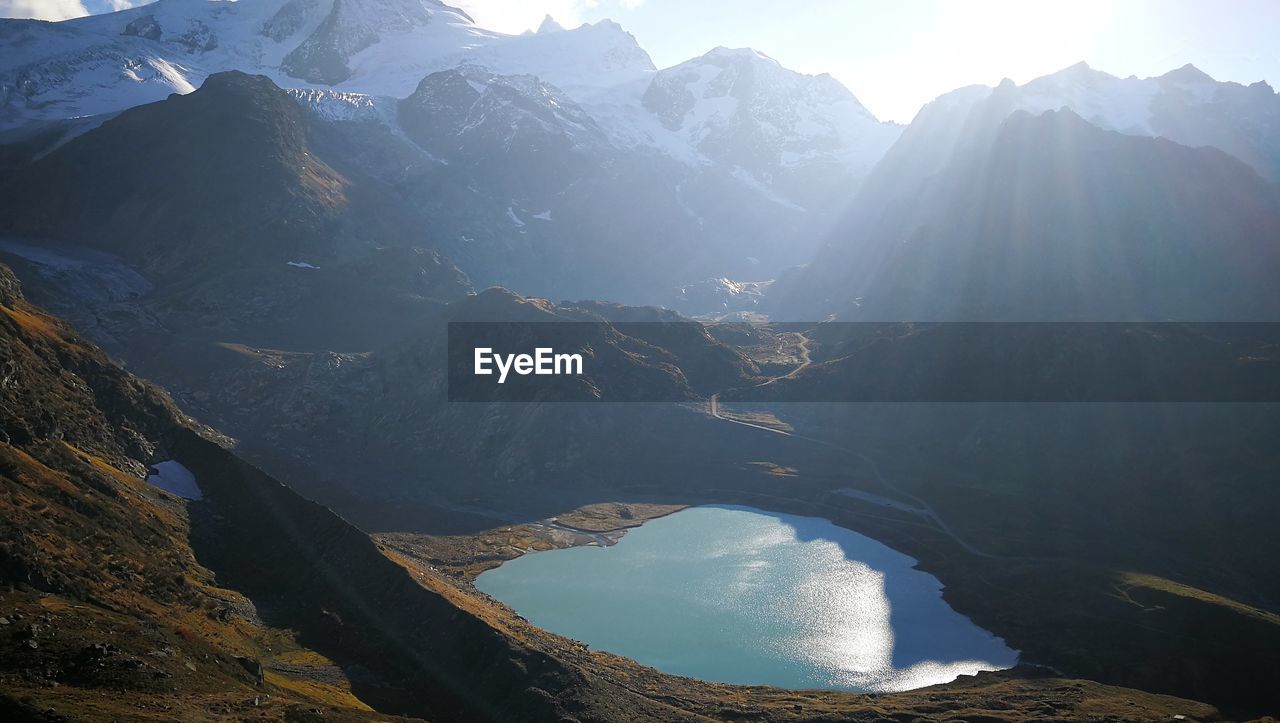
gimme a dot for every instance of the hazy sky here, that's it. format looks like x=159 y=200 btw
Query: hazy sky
x=896 y=55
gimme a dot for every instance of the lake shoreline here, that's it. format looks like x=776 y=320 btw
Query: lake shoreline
x=465 y=557
x=747 y=596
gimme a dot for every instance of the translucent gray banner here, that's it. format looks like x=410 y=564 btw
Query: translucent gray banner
x=678 y=361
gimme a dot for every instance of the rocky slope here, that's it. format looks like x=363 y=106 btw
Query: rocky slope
x=104 y=589
x=180 y=170
x=316 y=252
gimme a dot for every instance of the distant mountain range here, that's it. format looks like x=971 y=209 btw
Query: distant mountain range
x=1076 y=196
x=558 y=163
x=1049 y=217
x=690 y=146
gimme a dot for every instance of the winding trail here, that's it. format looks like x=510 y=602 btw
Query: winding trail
x=805 y=360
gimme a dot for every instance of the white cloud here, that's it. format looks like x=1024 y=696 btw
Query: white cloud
x=42 y=9
x=517 y=16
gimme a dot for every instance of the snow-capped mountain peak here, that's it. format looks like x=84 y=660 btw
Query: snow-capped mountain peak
x=1185 y=105
x=583 y=60
x=549 y=25
x=109 y=62
x=349 y=27
x=1187 y=74
x=739 y=106
x=106 y=63
x=782 y=133
x=470 y=109
x=726 y=81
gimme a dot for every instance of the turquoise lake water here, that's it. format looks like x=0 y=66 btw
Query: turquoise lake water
x=739 y=595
